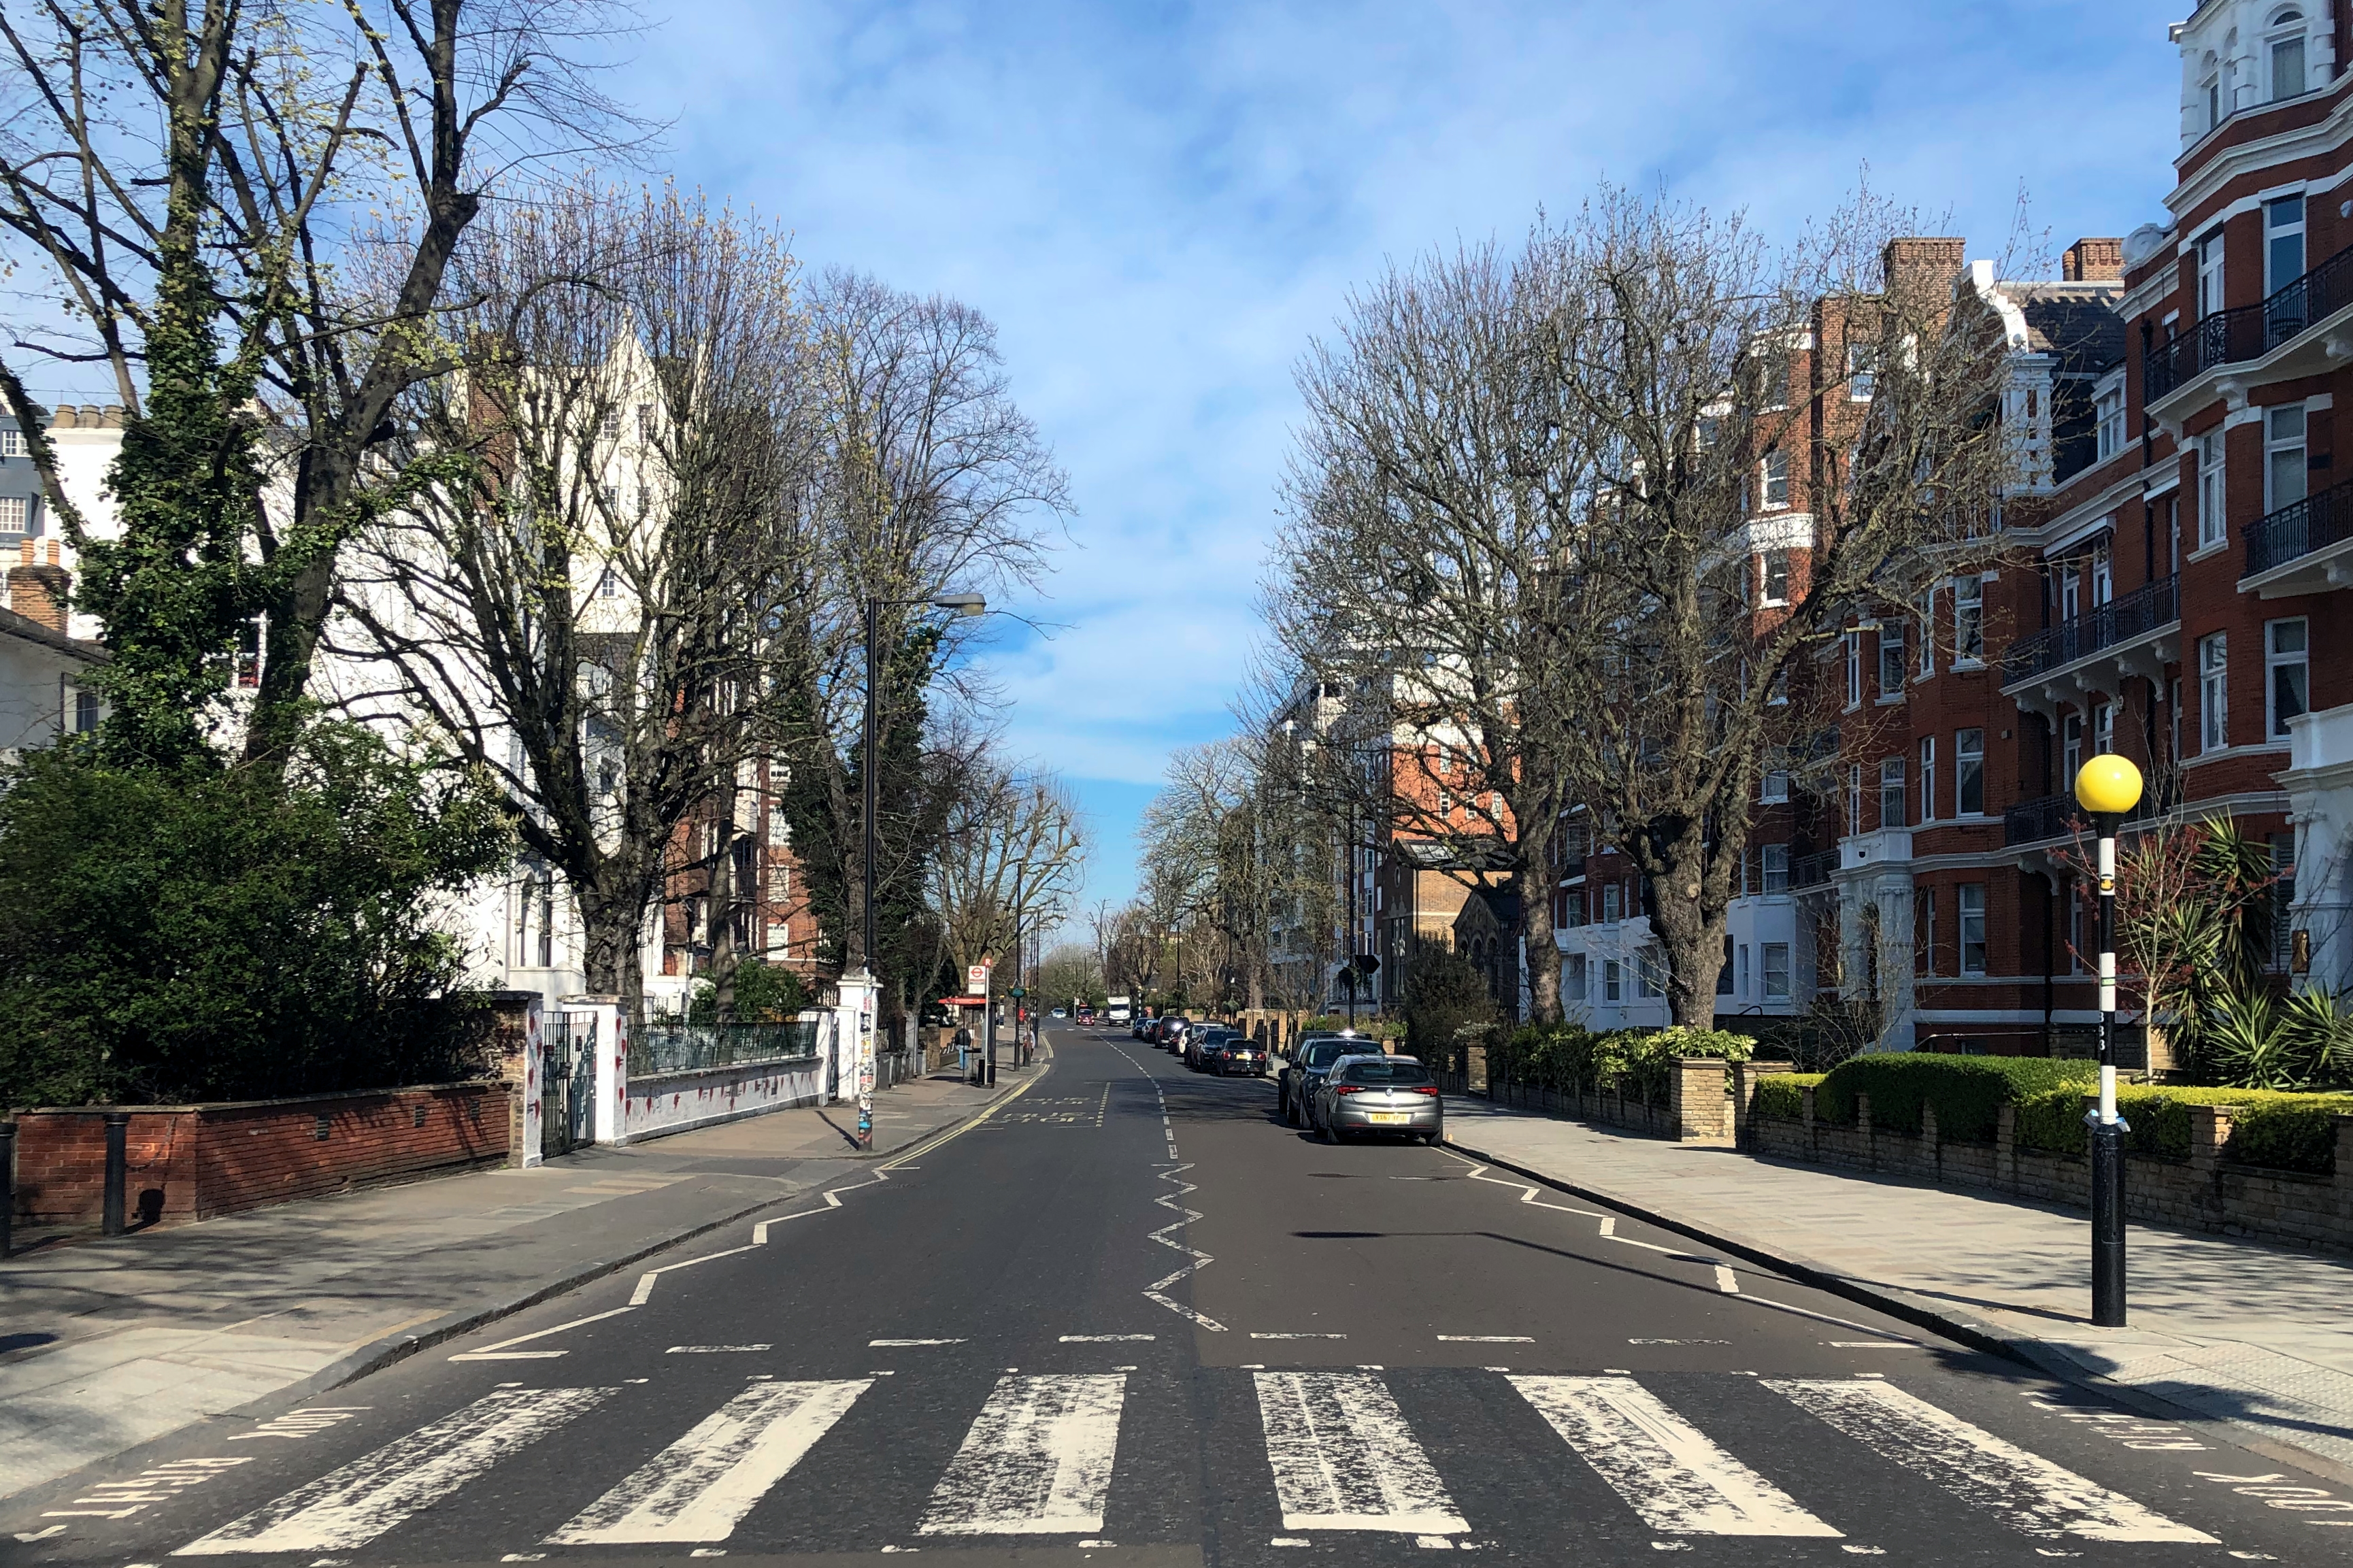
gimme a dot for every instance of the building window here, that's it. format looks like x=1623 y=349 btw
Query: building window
x=2283 y=472
x=2103 y=575
x=645 y=421
x=2213 y=692
x=1775 y=786
x=1928 y=930
x=1651 y=971
x=2210 y=274
x=608 y=584
x=1573 y=976
x=2288 y=686
x=1891 y=659
x=2287 y=56
x=85 y=713
x=1854 y=797
x=2071 y=752
x=1927 y=779
x=1853 y=644
x=14 y=512
x=2071 y=595
x=1773 y=861
x=2211 y=89
x=1773 y=481
x=2210 y=513
x=1613 y=902
x=1969 y=619
x=12 y=442
x=2104 y=732
x=1861 y=371
x=2173 y=533
x=2108 y=411
x=1774 y=567
x=1891 y=792
x=2282 y=242
x=1973 y=928
x=1724 y=976
x=1613 y=981
x=1968 y=772
x=1776 y=970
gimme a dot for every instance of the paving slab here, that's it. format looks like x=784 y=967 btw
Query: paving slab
x=107 y=1344
x=2221 y=1329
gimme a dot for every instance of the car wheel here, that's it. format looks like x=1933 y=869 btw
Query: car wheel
x=1432 y=1139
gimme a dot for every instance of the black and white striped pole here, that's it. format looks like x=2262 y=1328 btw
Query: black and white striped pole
x=2107 y=786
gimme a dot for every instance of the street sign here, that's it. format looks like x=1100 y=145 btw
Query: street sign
x=976 y=980
x=1017 y=992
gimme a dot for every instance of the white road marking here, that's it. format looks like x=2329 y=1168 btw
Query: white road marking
x=645 y=1289
x=894 y=1344
x=1487 y=1339
x=1874 y=1345
x=493 y=1353
x=1678 y=1341
x=1258 y=1336
x=2025 y=1490
x=1157 y=1289
x=1725 y=1282
x=701 y=1487
x=714 y=1350
x=1038 y=1459
x=1667 y=1469
x=1344 y=1457
x=353 y=1505
x=1102 y=1338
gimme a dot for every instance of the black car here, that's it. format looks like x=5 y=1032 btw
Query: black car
x=1311 y=1058
x=1239 y=1053
x=1199 y=1041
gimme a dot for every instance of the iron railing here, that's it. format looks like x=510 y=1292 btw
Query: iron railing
x=1812 y=871
x=2313 y=523
x=2249 y=332
x=687 y=1048
x=2136 y=614
x=2031 y=821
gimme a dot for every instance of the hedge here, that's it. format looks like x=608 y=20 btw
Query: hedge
x=1783 y=1094
x=2273 y=1128
x=1967 y=1091
x=1567 y=1057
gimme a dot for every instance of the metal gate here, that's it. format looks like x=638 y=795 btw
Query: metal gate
x=567 y=1100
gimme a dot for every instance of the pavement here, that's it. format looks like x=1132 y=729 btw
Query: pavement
x=112 y=1344
x=1129 y=1319
x=2222 y=1330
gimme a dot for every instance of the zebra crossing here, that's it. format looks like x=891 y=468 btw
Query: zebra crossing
x=1040 y=1458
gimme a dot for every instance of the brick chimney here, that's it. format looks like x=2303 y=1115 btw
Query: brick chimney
x=1920 y=262
x=37 y=589
x=2094 y=261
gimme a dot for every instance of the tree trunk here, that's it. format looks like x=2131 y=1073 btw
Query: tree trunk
x=612 y=926
x=1533 y=884
x=1689 y=925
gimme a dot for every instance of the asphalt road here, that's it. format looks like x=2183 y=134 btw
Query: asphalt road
x=1132 y=1319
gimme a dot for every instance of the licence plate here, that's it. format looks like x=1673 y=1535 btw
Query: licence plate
x=1387 y=1118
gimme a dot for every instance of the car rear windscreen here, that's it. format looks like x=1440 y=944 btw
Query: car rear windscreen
x=1393 y=1074
x=1322 y=1053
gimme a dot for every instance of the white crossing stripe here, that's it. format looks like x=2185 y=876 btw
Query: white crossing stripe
x=1345 y=1460
x=2025 y=1490
x=1667 y=1469
x=1037 y=1460
x=351 y=1506
x=701 y=1486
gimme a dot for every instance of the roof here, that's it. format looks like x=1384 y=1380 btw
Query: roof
x=30 y=630
x=2076 y=322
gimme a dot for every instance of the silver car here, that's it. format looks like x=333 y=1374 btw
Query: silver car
x=1363 y=1095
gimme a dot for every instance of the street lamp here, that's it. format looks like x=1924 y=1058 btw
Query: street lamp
x=2108 y=786
x=957 y=603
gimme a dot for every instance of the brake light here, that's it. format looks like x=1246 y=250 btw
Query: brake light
x=1348 y=1089
x=1427 y=1088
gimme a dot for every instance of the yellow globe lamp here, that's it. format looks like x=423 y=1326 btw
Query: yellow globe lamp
x=2109 y=785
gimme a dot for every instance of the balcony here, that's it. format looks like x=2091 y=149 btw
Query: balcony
x=2134 y=635
x=2274 y=340
x=1809 y=871
x=2033 y=821
x=2302 y=549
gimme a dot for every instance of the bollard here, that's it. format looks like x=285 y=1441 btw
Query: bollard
x=118 y=1127
x=7 y=1183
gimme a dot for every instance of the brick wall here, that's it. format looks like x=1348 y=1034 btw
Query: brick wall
x=2203 y=1192
x=193 y=1162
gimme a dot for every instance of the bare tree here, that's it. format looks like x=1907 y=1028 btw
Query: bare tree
x=1014 y=849
x=207 y=187
x=594 y=602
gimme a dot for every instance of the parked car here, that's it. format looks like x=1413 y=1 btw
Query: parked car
x=1239 y=1053
x=1173 y=1029
x=1365 y=1096
x=1199 y=1041
x=1311 y=1057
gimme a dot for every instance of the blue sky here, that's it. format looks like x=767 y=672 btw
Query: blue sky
x=1159 y=203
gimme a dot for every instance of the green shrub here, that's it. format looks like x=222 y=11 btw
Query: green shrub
x=1652 y=1056
x=2268 y=1128
x=2288 y=1132
x=1967 y=1091
x=1783 y=1094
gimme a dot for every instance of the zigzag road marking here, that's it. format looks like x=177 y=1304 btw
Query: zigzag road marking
x=1157 y=1290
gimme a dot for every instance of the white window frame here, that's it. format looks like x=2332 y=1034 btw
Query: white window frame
x=1773 y=867
x=2274 y=230
x=2104 y=732
x=1772 y=474
x=2292 y=664
x=12 y=442
x=2287 y=37
x=2213 y=508
x=1773 y=787
x=1613 y=982
x=1765 y=562
x=1969 y=766
x=1575 y=976
x=2108 y=414
x=1862 y=372
x=16 y=516
x=1742 y=985
x=1927 y=780
x=1854 y=797
x=1895 y=789
x=1968 y=621
x=1972 y=918
x=2285 y=427
x=1853 y=641
x=1774 y=950
x=2213 y=692
x=2209 y=272
x=1890 y=642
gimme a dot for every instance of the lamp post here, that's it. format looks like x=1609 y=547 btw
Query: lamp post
x=2107 y=786
x=959 y=603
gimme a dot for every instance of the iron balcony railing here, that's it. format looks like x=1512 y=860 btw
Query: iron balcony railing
x=2136 y=614
x=2313 y=523
x=2250 y=331
x=1812 y=871
x=2032 y=821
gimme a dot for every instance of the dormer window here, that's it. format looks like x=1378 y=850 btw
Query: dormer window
x=2286 y=53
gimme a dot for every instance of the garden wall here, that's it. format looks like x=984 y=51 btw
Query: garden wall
x=1699 y=1110
x=193 y=1162
x=669 y=1102
x=2206 y=1191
